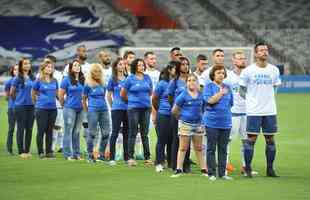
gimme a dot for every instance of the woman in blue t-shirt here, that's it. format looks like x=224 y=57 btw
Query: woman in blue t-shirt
x=217 y=120
x=118 y=108
x=24 y=110
x=137 y=90
x=188 y=109
x=163 y=109
x=175 y=88
x=70 y=97
x=94 y=103
x=44 y=94
x=11 y=113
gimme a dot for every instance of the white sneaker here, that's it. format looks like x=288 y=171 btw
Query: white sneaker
x=212 y=178
x=254 y=172
x=227 y=178
x=159 y=168
x=112 y=163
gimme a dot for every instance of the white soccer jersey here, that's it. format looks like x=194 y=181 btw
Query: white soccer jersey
x=154 y=75
x=204 y=77
x=58 y=76
x=233 y=80
x=201 y=81
x=260 y=83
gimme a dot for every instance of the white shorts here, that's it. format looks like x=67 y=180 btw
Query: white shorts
x=238 y=127
x=59 y=119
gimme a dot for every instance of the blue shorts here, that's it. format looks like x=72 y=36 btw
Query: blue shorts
x=268 y=124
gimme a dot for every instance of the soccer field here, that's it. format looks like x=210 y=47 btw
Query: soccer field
x=36 y=179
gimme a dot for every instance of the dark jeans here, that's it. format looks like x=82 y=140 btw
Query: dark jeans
x=139 y=117
x=119 y=117
x=12 y=122
x=45 y=123
x=175 y=146
x=164 y=138
x=217 y=138
x=25 y=118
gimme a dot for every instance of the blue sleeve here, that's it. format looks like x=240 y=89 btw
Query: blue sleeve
x=207 y=93
x=7 y=85
x=127 y=83
x=110 y=85
x=86 y=90
x=171 y=87
x=57 y=85
x=179 y=101
x=64 y=83
x=159 y=89
x=36 y=85
x=15 y=82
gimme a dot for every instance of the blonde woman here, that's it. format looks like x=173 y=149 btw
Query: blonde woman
x=44 y=93
x=94 y=103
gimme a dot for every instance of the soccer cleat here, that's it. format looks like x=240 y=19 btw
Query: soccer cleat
x=244 y=174
x=230 y=168
x=212 y=178
x=204 y=172
x=177 y=173
x=159 y=168
x=100 y=158
x=271 y=173
x=248 y=172
x=69 y=158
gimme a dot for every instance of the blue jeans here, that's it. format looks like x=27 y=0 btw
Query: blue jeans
x=24 y=118
x=72 y=125
x=164 y=138
x=220 y=138
x=139 y=117
x=101 y=118
x=12 y=122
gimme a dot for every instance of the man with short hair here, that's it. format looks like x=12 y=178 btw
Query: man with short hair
x=201 y=66
x=218 y=59
x=129 y=56
x=104 y=58
x=151 y=70
x=175 y=54
x=257 y=84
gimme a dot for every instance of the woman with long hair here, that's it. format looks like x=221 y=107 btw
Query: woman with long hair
x=70 y=97
x=175 y=88
x=137 y=90
x=24 y=109
x=44 y=94
x=163 y=109
x=11 y=111
x=118 y=108
x=94 y=102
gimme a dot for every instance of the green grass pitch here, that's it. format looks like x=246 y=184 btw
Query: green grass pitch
x=36 y=179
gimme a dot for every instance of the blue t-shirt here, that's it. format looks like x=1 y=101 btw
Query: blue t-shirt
x=73 y=94
x=176 y=87
x=191 y=108
x=115 y=86
x=138 y=91
x=217 y=115
x=23 y=91
x=7 y=87
x=96 y=98
x=161 y=91
x=47 y=92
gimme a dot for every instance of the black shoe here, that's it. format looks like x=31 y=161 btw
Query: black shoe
x=41 y=155
x=187 y=170
x=248 y=172
x=59 y=150
x=191 y=162
x=50 y=156
x=271 y=173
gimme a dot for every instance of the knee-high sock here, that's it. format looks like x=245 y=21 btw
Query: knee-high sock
x=242 y=153
x=270 y=152
x=248 y=153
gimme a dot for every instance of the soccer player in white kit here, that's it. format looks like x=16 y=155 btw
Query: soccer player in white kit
x=239 y=108
x=257 y=83
x=201 y=66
